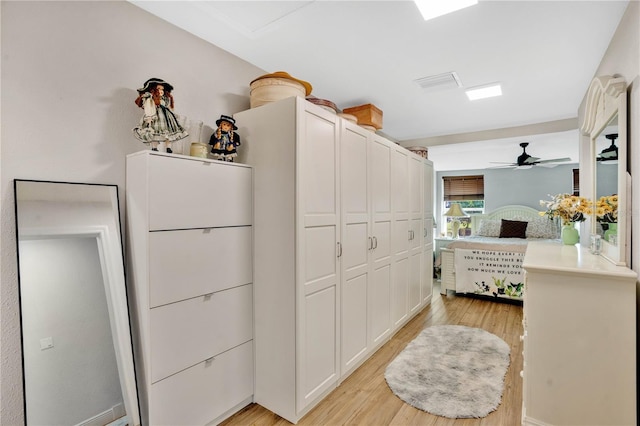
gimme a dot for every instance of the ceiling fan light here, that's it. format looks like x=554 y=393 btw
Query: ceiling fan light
x=483 y=92
x=433 y=8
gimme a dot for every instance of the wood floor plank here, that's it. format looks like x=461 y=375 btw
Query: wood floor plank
x=364 y=398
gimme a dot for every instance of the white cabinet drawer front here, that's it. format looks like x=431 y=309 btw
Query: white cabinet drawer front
x=214 y=194
x=205 y=391
x=188 y=332
x=194 y=262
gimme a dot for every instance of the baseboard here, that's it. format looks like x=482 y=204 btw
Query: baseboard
x=224 y=416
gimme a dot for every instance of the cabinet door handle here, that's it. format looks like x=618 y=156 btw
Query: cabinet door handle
x=370 y=243
x=339 y=247
x=375 y=242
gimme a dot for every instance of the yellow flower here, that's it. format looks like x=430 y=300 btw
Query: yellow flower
x=570 y=208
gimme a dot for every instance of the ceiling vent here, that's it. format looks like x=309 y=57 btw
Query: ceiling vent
x=448 y=80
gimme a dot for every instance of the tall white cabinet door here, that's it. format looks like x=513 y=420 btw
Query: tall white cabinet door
x=401 y=235
x=357 y=242
x=427 y=265
x=319 y=249
x=380 y=288
x=415 y=231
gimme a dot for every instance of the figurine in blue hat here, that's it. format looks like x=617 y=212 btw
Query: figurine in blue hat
x=224 y=141
x=159 y=123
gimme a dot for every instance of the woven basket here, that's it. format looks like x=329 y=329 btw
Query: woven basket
x=267 y=90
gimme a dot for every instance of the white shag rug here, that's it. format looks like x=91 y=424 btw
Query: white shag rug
x=452 y=371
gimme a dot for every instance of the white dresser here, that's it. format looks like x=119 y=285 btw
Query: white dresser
x=579 y=338
x=190 y=251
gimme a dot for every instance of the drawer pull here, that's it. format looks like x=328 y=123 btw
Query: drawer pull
x=522 y=373
x=209 y=361
x=207 y=297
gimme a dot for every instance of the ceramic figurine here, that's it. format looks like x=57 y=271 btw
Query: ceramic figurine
x=224 y=141
x=159 y=123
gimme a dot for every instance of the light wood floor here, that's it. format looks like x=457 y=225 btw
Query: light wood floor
x=365 y=399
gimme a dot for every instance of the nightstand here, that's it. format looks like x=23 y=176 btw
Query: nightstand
x=438 y=244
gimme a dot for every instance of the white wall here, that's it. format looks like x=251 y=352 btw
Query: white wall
x=64 y=298
x=69 y=74
x=512 y=186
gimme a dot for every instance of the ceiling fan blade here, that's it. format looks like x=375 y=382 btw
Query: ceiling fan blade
x=525 y=167
x=549 y=165
x=555 y=160
x=530 y=160
x=506 y=166
x=502 y=162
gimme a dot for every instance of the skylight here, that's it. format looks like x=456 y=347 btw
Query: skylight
x=482 y=92
x=433 y=8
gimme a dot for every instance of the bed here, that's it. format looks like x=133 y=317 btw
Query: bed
x=487 y=264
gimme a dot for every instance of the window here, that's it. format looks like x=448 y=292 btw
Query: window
x=576 y=181
x=468 y=191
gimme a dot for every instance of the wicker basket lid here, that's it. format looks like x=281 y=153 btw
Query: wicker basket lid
x=285 y=75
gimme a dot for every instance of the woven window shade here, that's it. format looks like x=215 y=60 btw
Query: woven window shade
x=576 y=181
x=458 y=188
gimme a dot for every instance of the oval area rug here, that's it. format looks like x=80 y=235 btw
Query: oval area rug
x=452 y=371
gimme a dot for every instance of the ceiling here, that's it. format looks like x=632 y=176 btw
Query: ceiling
x=544 y=54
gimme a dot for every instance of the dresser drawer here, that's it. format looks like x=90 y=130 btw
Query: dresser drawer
x=192 y=193
x=194 y=262
x=188 y=332
x=202 y=393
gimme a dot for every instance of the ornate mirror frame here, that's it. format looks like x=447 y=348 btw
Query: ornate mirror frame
x=606 y=101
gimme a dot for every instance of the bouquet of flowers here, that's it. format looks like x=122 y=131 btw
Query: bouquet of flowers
x=607 y=209
x=569 y=208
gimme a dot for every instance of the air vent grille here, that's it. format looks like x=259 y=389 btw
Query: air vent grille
x=448 y=80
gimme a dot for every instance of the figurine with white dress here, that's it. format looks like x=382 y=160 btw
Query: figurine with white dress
x=159 y=123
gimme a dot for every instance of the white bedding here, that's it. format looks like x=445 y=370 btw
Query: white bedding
x=490 y=265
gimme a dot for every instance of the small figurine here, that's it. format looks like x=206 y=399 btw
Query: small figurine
x=159 y=123
x=224 y=142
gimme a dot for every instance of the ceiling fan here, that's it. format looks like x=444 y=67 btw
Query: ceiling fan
x=610 y=153
x=526 y=161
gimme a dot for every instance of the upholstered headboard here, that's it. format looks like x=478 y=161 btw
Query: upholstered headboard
x=504 y=212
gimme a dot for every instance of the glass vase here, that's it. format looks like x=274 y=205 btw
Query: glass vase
x=570 y=234
x=612 y=231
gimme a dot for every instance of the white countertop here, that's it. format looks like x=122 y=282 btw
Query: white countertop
x=555 y=256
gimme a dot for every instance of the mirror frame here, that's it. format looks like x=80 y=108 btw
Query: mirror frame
x=110 y=247
x=606 y=99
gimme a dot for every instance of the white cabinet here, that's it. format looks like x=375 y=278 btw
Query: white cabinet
x=428 y=214
x=329 y=247
x=411 y=281
x=579 y=338
x=191 y=267
x=293 y=146
x=366 y=229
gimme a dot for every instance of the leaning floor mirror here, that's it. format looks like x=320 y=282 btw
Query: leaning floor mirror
x=76 y=340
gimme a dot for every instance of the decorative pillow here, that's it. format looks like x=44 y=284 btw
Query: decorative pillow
x=541 y=227
x=513 y=229
x=488 y=228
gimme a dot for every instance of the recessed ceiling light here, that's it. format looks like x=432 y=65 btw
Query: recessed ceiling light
x=481 y=92
x=433 y=8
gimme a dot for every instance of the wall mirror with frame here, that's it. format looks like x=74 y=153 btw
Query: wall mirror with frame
x=605 y=124
x=76 y=340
